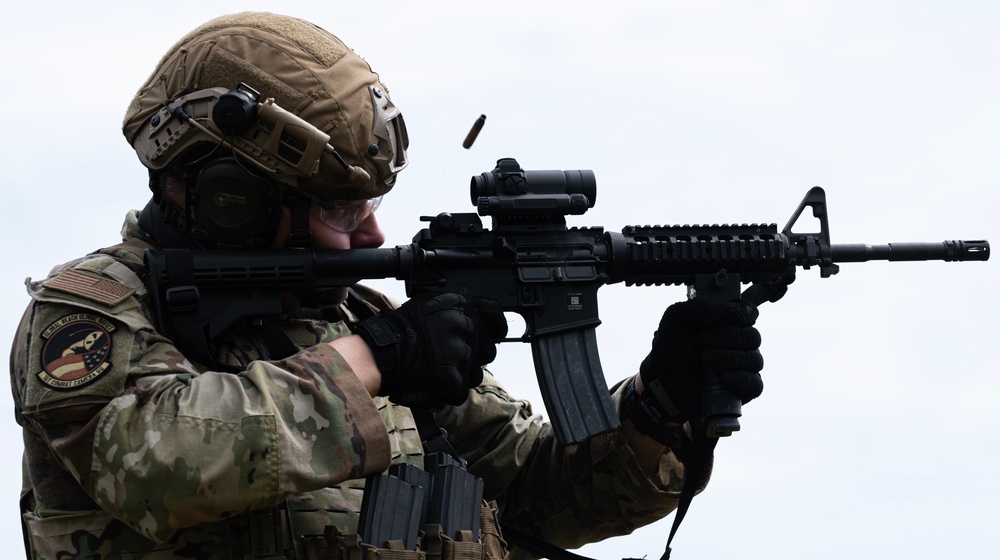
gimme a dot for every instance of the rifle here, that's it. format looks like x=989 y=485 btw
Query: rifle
x=532 y=264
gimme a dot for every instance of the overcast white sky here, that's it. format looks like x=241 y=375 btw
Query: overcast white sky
x=876 y=435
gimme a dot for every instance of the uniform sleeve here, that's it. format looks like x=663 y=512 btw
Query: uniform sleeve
x=568 y=495
x=161 y=445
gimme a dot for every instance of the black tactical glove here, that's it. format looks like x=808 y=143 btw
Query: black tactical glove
x=431 y=350
x=696 y=337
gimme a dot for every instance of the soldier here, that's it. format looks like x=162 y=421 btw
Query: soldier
x=265 y=131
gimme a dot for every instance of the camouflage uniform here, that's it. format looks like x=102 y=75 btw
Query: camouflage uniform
x=134 y=451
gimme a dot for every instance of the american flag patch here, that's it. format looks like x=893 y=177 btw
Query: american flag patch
x=94 y=288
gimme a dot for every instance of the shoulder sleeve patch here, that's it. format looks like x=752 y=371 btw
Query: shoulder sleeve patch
x=75 y=351
x=94 y=288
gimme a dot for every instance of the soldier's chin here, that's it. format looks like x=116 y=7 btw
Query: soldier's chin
x=330 y=297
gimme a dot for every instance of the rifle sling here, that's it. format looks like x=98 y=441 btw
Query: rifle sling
x=695 y=470
x=696 y=467
x=535 y=545
x=433 y=436
x=183 y=306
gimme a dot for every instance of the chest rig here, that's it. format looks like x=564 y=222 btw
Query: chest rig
x=407 y=513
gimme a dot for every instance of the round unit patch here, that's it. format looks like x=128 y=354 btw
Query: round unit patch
x=76 y=350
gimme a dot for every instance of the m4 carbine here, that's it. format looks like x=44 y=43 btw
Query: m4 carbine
x=532 y=264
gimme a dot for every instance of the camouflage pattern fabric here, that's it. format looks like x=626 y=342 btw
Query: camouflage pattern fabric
x=132 y=450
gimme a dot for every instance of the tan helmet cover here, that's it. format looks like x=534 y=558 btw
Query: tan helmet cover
x=305 y=70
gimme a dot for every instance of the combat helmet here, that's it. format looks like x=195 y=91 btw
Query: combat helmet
x=255 y=102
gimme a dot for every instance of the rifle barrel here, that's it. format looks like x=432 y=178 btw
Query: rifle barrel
x=953 y=250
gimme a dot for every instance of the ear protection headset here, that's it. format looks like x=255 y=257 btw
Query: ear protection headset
x=233 y=204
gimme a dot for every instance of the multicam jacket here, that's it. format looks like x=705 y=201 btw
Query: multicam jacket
x=133 y=450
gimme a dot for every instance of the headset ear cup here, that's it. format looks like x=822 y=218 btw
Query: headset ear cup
x=233 y=206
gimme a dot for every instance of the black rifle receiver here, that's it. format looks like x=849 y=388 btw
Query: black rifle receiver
x=532 y=264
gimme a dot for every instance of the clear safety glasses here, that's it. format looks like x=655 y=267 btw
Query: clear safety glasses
x=346 y=215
